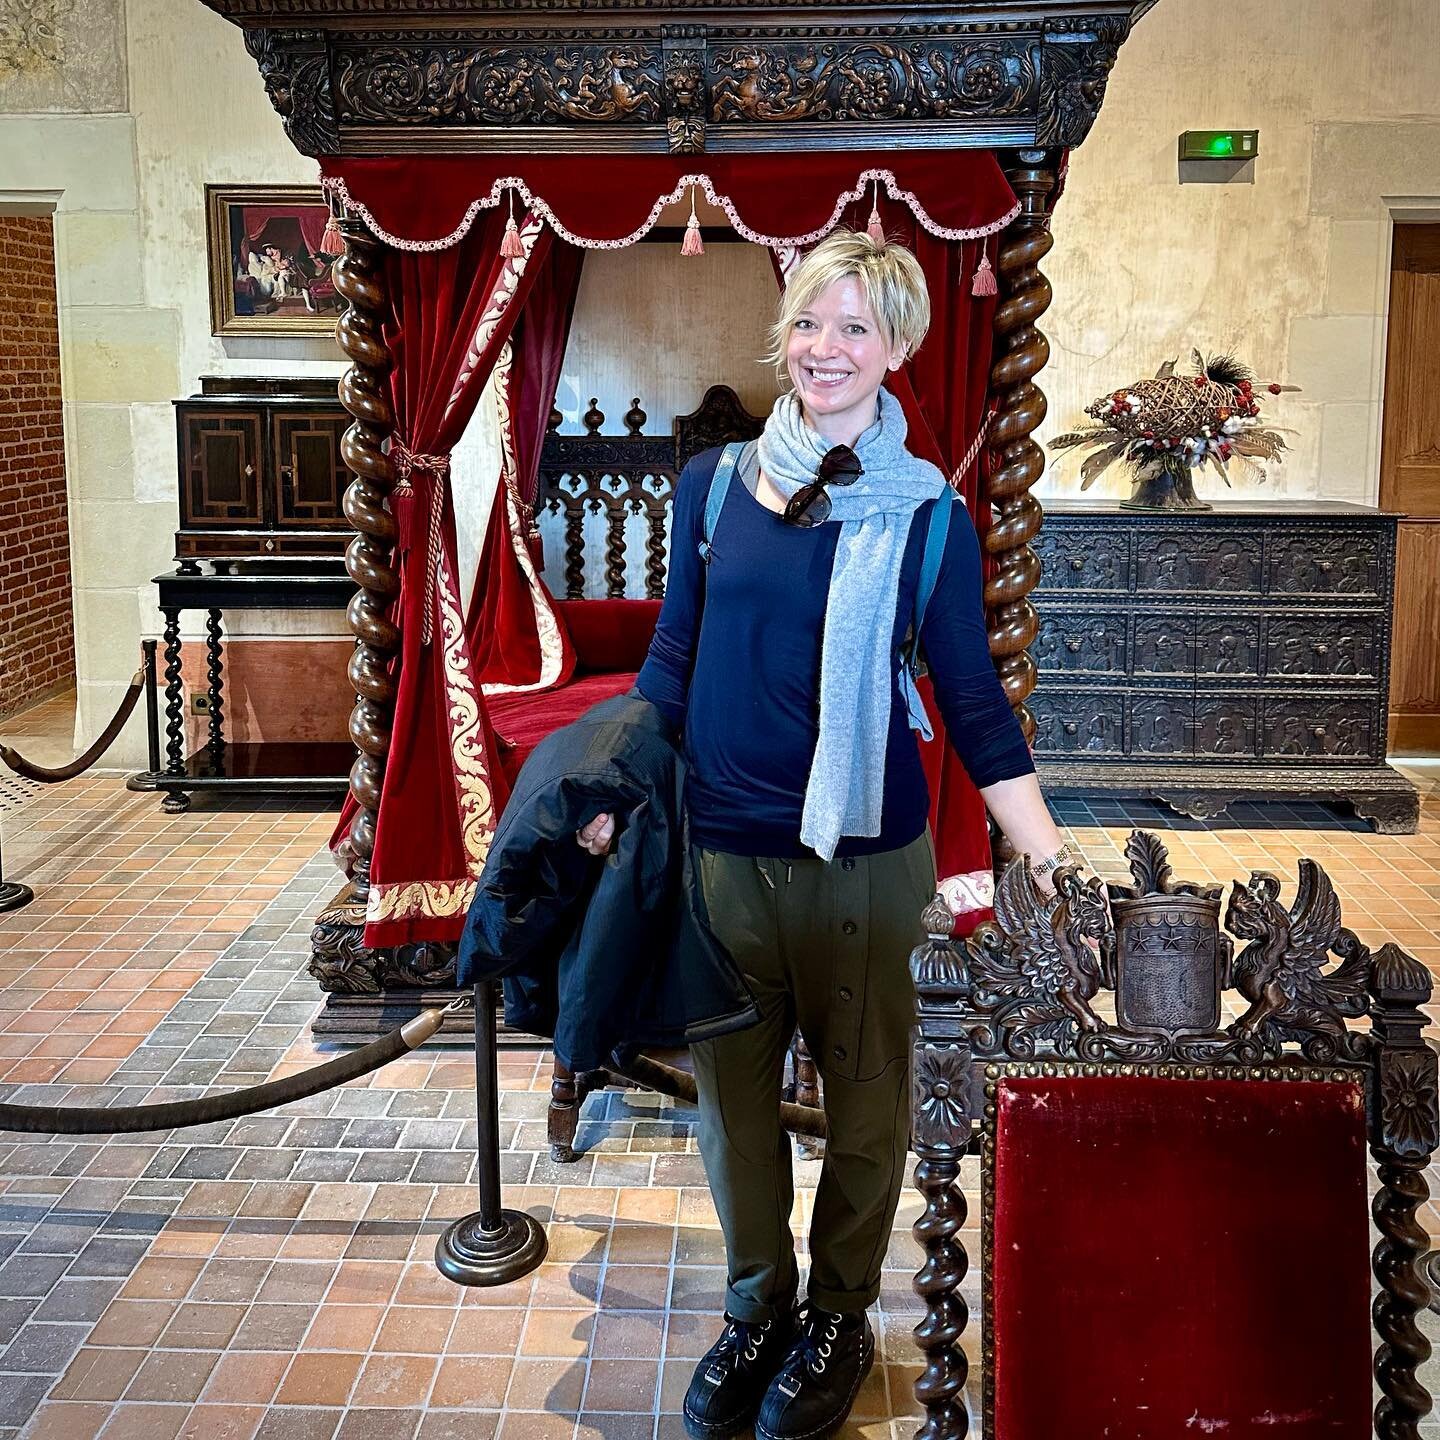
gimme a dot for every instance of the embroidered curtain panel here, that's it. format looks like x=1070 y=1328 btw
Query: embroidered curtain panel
x=453 y=312
x=463 y=310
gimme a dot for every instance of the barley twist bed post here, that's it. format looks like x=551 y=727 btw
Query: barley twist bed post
x=364 y=391
x=1016 y=460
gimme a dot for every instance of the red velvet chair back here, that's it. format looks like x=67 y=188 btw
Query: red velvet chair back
x=1178 y=1257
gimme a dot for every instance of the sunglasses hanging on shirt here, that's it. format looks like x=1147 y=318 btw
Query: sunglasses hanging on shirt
x=810 y=505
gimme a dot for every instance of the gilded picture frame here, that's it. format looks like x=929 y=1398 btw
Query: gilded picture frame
x=271 y=252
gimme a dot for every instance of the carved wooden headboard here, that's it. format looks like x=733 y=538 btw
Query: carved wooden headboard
x=624 y=475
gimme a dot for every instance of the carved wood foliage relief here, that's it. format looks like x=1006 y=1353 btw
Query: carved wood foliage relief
x=1039 y=80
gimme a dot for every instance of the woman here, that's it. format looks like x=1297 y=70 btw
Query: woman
x=777 y=658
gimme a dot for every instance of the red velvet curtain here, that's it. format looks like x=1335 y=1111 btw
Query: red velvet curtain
x=518 y=641
x=453 y=312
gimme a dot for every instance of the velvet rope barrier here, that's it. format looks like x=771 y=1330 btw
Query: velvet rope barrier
x=177 y=1114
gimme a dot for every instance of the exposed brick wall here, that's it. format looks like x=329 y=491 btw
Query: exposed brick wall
x=37 y=644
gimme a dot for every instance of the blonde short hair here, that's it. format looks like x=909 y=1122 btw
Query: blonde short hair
x=890 y=276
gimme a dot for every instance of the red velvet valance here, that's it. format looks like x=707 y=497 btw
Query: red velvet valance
x=608 y=201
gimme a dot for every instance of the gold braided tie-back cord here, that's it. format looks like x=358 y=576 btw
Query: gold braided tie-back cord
x=406 y=460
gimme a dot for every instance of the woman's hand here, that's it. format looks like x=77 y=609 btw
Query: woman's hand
x=597 y=835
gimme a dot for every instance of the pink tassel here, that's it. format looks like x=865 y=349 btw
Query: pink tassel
x=510 y=246
x=692 y=244
x=984 y=283
x=875 y=230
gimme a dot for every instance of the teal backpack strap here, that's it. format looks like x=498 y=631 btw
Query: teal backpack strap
x=715 y=499
x=935 y=536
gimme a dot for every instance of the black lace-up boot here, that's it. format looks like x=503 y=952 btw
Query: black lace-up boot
x=731 y=1378
x=815 y=1387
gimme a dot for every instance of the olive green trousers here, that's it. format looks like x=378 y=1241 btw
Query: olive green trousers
x=827 y=948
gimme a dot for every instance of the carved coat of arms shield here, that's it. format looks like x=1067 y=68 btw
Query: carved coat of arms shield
x=1168 y=962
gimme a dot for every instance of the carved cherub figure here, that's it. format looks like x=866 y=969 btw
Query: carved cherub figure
x=1281 y=971
x=1045 y=974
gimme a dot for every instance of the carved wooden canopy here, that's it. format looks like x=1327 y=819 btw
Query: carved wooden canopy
x=398 y=76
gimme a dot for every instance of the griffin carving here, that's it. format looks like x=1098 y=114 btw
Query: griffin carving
x=1282 y=971
x=1033 y=973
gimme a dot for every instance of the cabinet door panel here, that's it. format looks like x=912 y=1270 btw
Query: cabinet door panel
x=220 y=482
x=1346 y=562
x=1164 y=644
x=1073 y=722
x=1319 y=725
x=310 y=470
x=1227 y=645
x=1080 y=642
x=1328 y=645
x=1083 y=559
x=1162 y=723
x=1227 y=725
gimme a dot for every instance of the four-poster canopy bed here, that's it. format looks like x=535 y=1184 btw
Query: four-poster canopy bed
x=474 y=152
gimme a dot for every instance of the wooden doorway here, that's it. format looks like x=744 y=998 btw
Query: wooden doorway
x=1410 y=483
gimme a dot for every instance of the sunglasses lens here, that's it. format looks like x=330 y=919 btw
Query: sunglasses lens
x=818 y=511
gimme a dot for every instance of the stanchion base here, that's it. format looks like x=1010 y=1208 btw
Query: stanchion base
x=469 y=1255
x=14 y=896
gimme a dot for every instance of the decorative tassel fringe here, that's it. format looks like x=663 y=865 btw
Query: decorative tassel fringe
x=510 y=246
x=692 y=244
x=875 y=229
x=984 y=283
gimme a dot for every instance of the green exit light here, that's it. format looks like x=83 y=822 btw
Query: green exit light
x=1219 y=144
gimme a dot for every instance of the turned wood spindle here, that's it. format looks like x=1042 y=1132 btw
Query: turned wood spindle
x=1016 y=461
x=1403 y=1293
x=940 y=1386
x=365 y=393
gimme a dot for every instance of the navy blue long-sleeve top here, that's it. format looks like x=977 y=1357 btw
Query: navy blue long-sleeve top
x=735 y=669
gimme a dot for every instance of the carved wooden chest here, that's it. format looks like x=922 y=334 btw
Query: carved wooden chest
x=261 y=473
x=1205 y=657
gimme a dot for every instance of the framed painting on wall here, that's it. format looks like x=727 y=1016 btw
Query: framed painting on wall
x=272 y=249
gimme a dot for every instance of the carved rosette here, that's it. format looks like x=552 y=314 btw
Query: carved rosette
x=1016 y=461
x=940 y=1101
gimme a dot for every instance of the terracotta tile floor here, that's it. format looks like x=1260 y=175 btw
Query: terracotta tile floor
x=271 y=1277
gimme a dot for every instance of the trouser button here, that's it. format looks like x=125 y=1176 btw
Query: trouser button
x=838 y=1052
x=848 y=927
x=847 y=863
x=845 y=993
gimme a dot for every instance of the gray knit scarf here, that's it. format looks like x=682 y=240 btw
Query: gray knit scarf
x=846 y=790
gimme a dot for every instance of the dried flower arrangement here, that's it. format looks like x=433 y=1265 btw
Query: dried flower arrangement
x=1166 y=428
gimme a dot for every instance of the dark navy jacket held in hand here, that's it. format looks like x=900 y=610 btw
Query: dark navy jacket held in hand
x=601 y=952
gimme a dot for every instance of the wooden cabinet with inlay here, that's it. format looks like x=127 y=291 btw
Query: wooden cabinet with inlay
x=1205 y=657
x=261 y=471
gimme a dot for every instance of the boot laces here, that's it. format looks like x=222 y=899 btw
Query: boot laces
x=739 y=1344
x=812 y=1349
